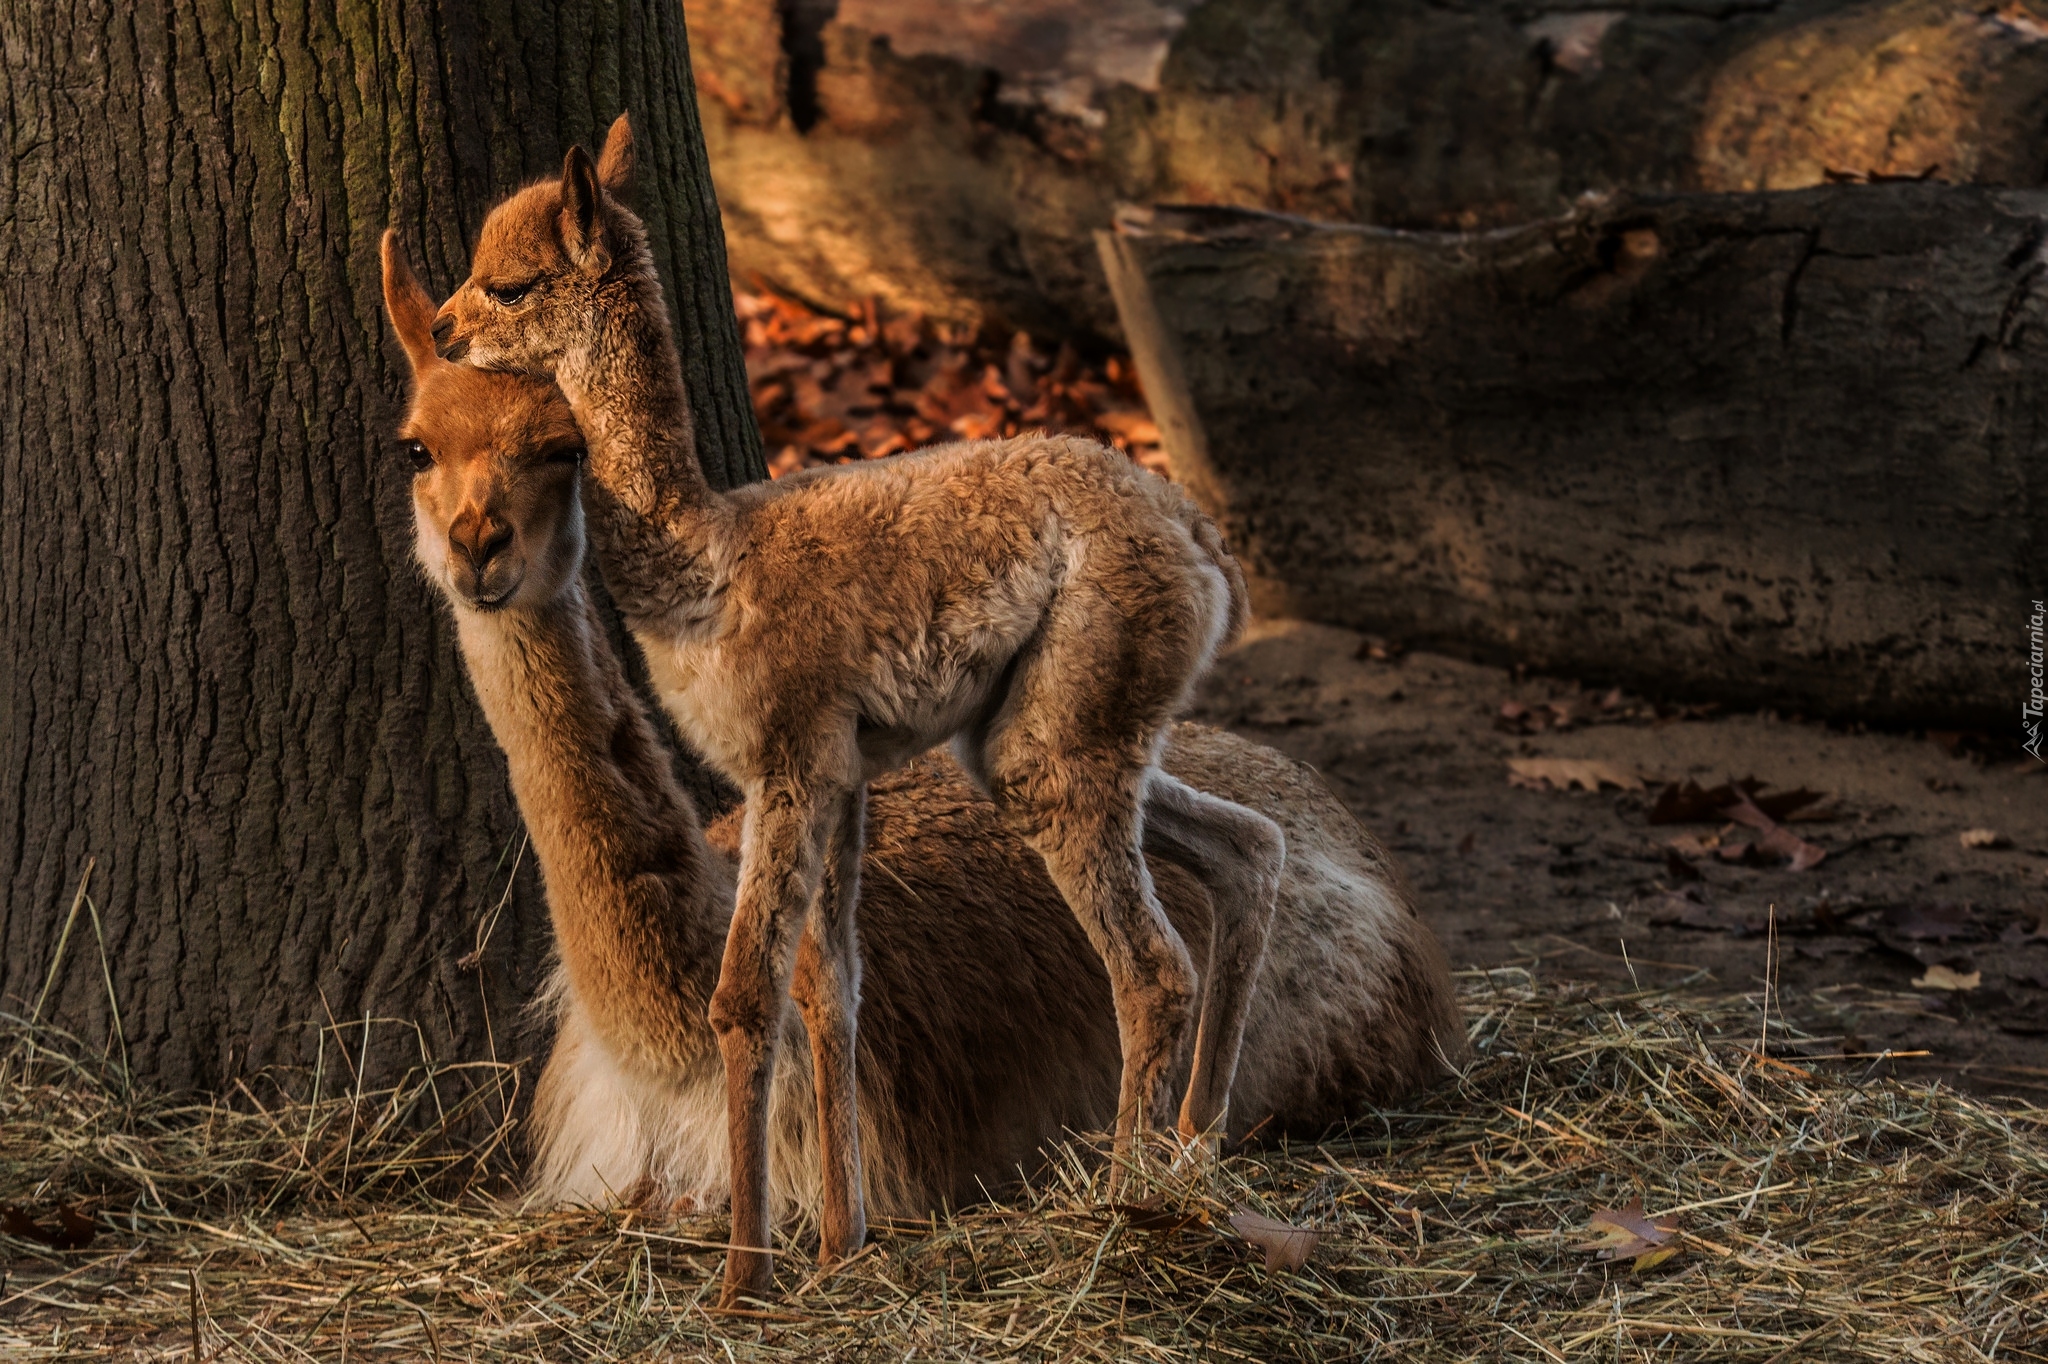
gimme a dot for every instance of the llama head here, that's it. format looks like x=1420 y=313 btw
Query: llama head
x=536 y=285
x=496 y=514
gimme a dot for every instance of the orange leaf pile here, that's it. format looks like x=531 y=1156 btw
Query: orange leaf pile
x=829 y=390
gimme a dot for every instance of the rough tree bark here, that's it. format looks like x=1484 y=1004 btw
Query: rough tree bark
x=224 y=680
x=1783 y=449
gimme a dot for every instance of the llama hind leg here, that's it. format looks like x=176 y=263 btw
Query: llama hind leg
x=1239 y=855
x=1082 y=819
x=826 y=989
x=1067 y=754
x=781 y=863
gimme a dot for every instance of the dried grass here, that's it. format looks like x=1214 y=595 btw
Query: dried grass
x=1825 y=1218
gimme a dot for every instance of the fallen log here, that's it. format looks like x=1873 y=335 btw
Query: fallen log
x=956 y=157
x=1781 y=449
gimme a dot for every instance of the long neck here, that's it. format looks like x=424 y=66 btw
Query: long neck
x=638 y=901
x=656 y=523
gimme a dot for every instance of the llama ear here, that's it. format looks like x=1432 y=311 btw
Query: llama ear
x=410 y=306
x=615 y=162
x=582 y=226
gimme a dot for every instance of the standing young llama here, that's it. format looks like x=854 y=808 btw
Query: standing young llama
x=988 y=1032
x=1042 y=602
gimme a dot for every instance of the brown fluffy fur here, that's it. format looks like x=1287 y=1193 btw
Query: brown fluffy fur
x=987 y=1029
x=1041 y=602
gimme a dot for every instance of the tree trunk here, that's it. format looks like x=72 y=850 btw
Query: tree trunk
x=226 y=681
x=1778 y=449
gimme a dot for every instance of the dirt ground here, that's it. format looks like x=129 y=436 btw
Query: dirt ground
x=1579 y=885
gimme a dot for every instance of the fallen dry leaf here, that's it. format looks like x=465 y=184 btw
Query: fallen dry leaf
x=1690 y=914
x=1516 y=718
x=1690 y=908
x=74 y=1229
x=1933 y=923
x=1629 y=1233
x=1687 y=802
x=1562 y=774
x=1287 y=1246
x=1150 y=1216
x=2017 y=931
x=1942 y=978
x=1134 y=427
x=1774 y=837
x=1984 y=838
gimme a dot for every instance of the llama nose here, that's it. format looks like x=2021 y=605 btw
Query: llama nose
x=442 y=326
x=479 y=540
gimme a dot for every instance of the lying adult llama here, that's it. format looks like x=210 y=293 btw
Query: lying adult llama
x=987 y=1029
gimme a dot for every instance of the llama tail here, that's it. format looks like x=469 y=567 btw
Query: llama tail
x=1173 y=500
x=1208 y=538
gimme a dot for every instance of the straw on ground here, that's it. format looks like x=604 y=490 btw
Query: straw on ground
x=1826 y=1217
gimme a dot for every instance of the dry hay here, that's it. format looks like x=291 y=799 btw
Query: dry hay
x=1825 y=1216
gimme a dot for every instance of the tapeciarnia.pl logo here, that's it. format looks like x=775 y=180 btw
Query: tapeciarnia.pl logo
x=2030 y=711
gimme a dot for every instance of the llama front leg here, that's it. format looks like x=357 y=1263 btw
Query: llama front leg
x=781 y=856
x=827 y=993
x=1238 y=854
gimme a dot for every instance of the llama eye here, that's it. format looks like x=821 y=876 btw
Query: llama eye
x=417 y=453
x=572 y=455
x=508 y=294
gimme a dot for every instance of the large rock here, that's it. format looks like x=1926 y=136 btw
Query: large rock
x=1774 y=448
x=954 y=155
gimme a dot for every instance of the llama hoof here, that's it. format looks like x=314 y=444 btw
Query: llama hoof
x=838 y=1249
x=1196 y=1150
x=1192 y=1131
x=1127 y=1163
x=834 y=1257
x=748 y=1274
x=732 y=1298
